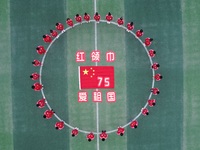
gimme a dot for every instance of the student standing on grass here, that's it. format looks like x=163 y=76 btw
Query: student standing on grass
x=148 y=41
x=120 y=21
x=70 y=22
x=134 y=124
x=41 y=103
x=152 y=102
x=36 y=63
x=152 y=53
x=59 y=125
x=155 y=91
x=37 y=86
x=74 y=132
x=35 y=76
x=78 y=18
x=97 y=17
x=48 y=114
x=47 y=38
x=54 y=33
x=87 y=17
x=109 y=17
x=139 y=33
x=155 y=66
x=130 y=26
x=40 y=50
x=120 y=131
x=59 y=26
x=158 y=77
x=90 y=137
x=103 y=136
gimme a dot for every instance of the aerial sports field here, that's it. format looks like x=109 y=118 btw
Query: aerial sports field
x=173 y=123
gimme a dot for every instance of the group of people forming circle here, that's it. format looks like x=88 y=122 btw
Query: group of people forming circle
x=47 y=38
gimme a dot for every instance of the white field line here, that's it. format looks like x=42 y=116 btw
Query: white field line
x=97 y=104
x=65 y=30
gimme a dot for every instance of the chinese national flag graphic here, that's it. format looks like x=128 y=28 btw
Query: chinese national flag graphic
x=94 y=77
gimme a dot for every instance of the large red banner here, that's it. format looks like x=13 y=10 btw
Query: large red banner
x=95 y=77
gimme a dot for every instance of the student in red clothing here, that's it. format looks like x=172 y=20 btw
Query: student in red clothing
x=139 y=33
x=90 y=137
x=148 y=41
x=152 y=53
x=120 y=131
x=109 y=17
x=120 y=21
x=78 y=18
x=134 y=124
x=97 y=17
x=155 y=91
x=36 y=63
x=48 y=114
x=130 y=26
x=87 y=17
x=158 y=77
x=145 y=111
x=47 y=38
x=103 y=136
x=35 y=76
x=155 y=66
x=41 y=103
x=54 y=33
x=70 y=22
x=40 y=50
x=152 y=102
x=59 y=26
x=74 y=132
x=59 y=125
x=37 y=86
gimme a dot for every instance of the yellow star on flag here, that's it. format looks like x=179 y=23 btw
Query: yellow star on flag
x=85 y=72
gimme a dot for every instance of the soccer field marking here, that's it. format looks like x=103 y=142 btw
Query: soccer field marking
x=96 y=63
x=68 y=28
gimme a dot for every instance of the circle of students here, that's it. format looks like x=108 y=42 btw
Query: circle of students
x=47 y=38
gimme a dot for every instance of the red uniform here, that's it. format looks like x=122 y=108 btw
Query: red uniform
x=87 y=17
x=152 y=102
x=36 y=63
x=59 y=26
x=90 y=136
x=70 y=22
x=155 y=91
x=148 y=41
x=35 y=76
x=40 y=50
x=59 y=125
x=37 y=86
x=103 y=136
x=155 y=66
x=109 y=17
x=145 y=111
x=130 y=26
x=74 y=132
x=54 y=33
x=97 y=17
x=134 y=124
x=158 y=77
x=139 y=33
x=120 y=131
x=40 y=103
x=78 y=18
x=152 y=53
x=48 y=114
x=47 y=38
x=120 y=21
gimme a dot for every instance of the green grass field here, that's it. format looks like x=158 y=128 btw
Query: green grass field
x=172 y=124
